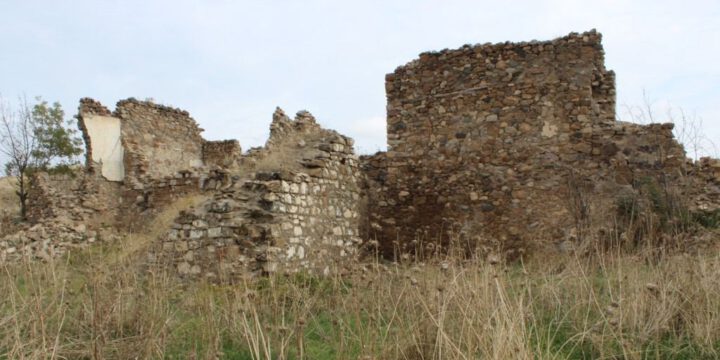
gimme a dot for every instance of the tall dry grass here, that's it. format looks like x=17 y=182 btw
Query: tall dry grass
x=609 y=306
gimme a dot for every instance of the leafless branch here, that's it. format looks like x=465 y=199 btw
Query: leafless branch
x=689 y=129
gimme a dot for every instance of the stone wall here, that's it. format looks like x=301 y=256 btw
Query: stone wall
x=53 y=196
x=79 y=196
x=141 y=203
x=154 y=141
x=224 y=153
x=163 y=155
x=65 y=211
x=160 y=161
x=158 y=140
x=492 y=145
x=706 y=188
x=304 y=215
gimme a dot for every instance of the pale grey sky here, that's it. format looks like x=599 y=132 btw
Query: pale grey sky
x=229 y=63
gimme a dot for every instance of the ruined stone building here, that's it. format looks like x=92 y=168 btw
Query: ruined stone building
x=501 y=143
x=295 y=203
x=508 y=148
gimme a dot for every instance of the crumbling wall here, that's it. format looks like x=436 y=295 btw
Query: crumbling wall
x=290 y=205
x=224 y=153
x=158 y=140
x=61 y=195
x=705 y=194
x=140 y=139
x=141 y=203
x=137 y=161
x=78 y=196
x=303 y=215
x=65 y=211
x=493 y=144
x=162 y=155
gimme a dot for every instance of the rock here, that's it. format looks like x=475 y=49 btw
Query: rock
x=184 y=268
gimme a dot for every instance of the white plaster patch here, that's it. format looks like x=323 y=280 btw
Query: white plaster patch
x=104 y=132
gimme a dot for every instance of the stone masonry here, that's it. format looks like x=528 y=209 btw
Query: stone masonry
x=158 y=140
x=503 y=148
x=224 y=153
x=494 y=145
x=303 y=215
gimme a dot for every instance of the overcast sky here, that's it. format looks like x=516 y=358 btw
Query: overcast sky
x=229 y=63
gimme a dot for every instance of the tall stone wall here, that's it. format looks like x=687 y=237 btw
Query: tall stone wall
x=488 y=144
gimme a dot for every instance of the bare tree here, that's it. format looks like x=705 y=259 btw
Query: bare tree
x=17 y=143
x=32 y=139
x=689 y=129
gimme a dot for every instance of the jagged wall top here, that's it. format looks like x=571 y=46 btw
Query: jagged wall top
x=572 y=64
x=282 y=126
x=92 y=106
x=591 y=37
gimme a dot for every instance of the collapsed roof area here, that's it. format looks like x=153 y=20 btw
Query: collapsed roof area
x=505 y=148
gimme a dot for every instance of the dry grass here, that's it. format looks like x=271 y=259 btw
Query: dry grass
x=610 y=306
x=9 y=209
x=8 y=199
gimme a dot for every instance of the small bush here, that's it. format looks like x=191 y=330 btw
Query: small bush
x=707 y=219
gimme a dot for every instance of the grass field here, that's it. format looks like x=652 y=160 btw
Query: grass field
x=102 y=304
